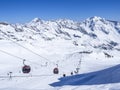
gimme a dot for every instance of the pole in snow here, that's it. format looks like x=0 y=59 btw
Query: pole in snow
x=10 y=75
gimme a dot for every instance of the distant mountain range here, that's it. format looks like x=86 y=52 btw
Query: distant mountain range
x=96 y=32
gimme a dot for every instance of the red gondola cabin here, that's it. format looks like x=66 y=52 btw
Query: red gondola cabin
x=26 y=69
x=55 y=71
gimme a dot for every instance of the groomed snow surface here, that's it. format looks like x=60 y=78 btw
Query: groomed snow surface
x=97 y=72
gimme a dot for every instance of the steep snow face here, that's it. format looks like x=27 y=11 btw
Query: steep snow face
x=35 y=22
x=102 y=28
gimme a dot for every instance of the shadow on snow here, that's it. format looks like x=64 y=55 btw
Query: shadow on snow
x=106 y=76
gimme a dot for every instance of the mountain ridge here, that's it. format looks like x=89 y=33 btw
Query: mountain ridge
x=92 y=31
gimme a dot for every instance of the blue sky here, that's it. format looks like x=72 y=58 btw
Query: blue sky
x=22 y=11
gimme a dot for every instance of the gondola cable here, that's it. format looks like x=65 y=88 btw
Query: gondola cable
x=27 y=48
x=17 y=57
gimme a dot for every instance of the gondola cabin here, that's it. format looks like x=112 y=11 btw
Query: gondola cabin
x=26 y=69
x=55 y=71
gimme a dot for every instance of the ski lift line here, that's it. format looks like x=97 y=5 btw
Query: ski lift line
x=28 y=49
x=11 y=55
x=18 y=57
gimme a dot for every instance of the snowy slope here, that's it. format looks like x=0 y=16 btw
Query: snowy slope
x=92 y=46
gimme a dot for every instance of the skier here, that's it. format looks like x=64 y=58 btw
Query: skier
x=64 y=75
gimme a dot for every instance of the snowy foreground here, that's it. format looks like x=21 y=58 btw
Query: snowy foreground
x=96 y=71
x=91 y=48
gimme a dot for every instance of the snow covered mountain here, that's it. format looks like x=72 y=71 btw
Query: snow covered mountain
x=95 y=31
x=90 y=46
